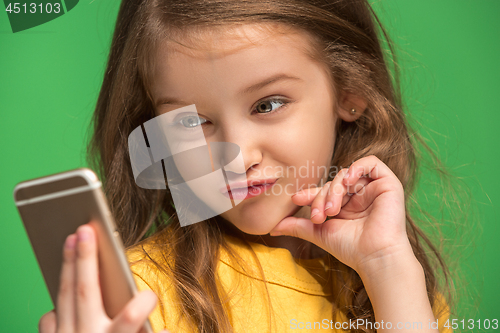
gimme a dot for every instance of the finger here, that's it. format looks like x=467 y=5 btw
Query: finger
x=380 y=179
x=351 y=194
x=324 y=201
x=134 y=314
x=65 y=297
x=305 y=197
x=367 y=193
x=359 y=205
x=336 y=195
x=370 y=166
x=318 y=204
x=359 y=186
x=47 y=323
x=89 y=307
x=305 y=229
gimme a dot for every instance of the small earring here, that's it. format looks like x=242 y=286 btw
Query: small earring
x=353 y=111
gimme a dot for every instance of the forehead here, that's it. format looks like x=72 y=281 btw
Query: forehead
x=222 y=40
x=243 y=49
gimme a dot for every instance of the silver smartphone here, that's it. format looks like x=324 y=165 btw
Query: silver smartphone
x=52 y=208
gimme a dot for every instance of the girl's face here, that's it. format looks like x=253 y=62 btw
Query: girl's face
x=256 y=86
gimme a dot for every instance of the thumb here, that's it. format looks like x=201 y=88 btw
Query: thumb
x=48 y=323
x=135 y=313
x=300 y=228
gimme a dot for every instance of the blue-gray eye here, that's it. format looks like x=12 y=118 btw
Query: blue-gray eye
x=269 y=105
x=192 y=121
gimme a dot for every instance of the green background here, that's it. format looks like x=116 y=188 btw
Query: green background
x=50 y=77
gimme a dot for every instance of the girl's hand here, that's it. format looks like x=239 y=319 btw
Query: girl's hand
x=79 y=301
x=369 y=221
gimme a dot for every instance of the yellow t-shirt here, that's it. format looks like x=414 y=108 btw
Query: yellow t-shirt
x=300 y=298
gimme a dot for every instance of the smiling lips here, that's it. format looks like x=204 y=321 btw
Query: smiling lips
x=246 y=190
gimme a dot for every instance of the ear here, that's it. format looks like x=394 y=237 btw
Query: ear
x=350 y=101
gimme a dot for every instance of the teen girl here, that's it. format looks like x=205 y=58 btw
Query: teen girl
x=294 y=83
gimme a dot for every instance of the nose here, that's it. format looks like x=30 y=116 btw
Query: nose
x=241 y=150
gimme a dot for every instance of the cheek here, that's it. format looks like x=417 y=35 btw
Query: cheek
x=307 y=144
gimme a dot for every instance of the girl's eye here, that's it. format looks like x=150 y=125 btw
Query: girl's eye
x=269 y=105
x=192 y=121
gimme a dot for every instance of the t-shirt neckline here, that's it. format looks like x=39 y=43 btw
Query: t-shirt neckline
x=310 y=276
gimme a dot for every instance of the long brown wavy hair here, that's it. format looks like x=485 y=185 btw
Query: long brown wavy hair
x=349 y=38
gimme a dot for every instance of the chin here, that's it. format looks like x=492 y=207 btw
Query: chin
x=255 y=229
x=261 y=216
x=255 y=224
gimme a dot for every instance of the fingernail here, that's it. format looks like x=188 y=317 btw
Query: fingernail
x=83 y=235
x=328 y=205
x=70 y=242
x=314 y=212
x=346 y=175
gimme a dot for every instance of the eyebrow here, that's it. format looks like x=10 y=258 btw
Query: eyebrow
x=268 y=81
x=254 y=87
